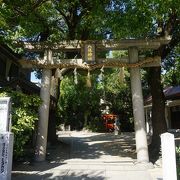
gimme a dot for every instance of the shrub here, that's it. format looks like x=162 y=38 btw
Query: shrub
x=96 y=125
x=24 y=115
x=178 y=161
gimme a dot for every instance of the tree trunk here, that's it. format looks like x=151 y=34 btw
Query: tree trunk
x=158 y=111
x=55 y=85
x=52 y=137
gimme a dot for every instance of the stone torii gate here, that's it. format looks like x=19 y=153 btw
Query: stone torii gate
x=90 y=61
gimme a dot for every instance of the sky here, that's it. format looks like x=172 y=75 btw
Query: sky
x=33 y=78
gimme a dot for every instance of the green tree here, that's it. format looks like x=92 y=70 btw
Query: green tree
x=80 y=105
x=77 y=101
x=171 y=68
x=118 y=92
x=51 y=20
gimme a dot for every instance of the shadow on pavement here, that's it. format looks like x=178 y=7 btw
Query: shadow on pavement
x=60 y=175
x=55 y=157
x=102 y=144
x=92 y=146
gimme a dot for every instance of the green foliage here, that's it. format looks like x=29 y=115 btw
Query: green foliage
x=31 y=20
x=80 y=105
x=96 y=125
x=24 y=115
x=141 y=19
x=171 y=75
x=27 y=20
x=178 y=161
x=77 y=101
x=118 y=92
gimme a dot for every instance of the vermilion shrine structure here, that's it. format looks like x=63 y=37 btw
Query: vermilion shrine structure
x=90 y=61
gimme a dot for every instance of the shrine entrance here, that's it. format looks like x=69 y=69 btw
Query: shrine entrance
x=89 y=61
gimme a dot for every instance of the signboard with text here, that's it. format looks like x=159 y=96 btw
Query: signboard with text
x=89 y=53
x=5 y=107
x=6 y=152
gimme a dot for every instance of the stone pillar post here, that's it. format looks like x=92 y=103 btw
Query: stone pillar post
x=41 y=142
x=138 y=109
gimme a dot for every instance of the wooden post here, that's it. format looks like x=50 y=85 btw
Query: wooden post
x=8 y=66
x=41 y=143
x=168 y=156
x=138 y=109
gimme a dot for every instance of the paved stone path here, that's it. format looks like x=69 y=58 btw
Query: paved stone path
x=91 y=156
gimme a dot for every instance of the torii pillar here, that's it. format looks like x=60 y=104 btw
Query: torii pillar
x=41 y=142
x=138 y=109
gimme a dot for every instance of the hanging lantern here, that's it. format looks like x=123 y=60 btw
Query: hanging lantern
x=89 y=53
